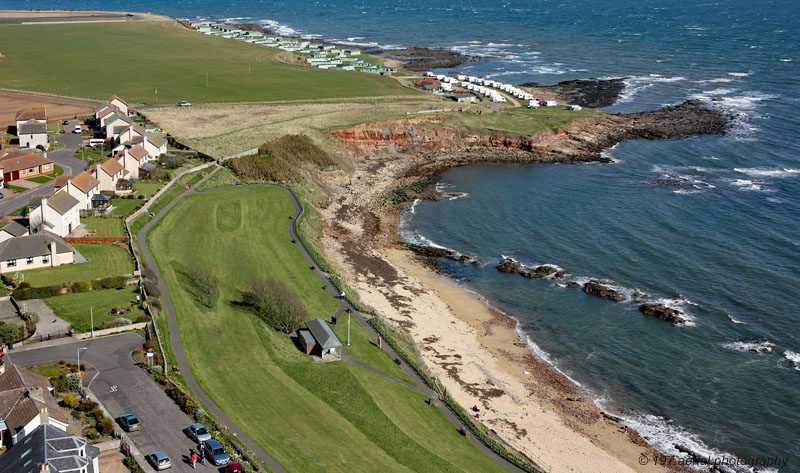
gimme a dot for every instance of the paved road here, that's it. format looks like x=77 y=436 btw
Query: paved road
x=343 y=306
x=122 y=387
x=63 y=157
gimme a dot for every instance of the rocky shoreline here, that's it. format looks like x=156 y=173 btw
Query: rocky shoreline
x=590 y=93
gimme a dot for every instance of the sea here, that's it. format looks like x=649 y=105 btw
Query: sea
x=708 y=225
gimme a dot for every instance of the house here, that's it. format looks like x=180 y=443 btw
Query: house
x=108 y=174
x=10 y=230
x=104 y=110
x=83 y=187
x=42 y=250
x=22 y=164
x=429 y=85
x=122 y=105
x=129 y=133
x=26 y=403
x=59 y=213
x=155 y=144
x=319 y=338
x=33 y=134
x=111 y=122
x=131 y=158
x=49 y=450
x=34 y=114
x=148 y=171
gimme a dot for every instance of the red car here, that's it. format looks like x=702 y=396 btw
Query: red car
x=234 y=468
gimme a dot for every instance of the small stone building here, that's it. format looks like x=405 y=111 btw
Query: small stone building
x=318 y=339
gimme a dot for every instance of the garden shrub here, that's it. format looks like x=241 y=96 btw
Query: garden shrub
x=9 y=332
x=120 y=322
x=105 y=426
x=91 y=434
x=113 y=282
x=74 y=383
x=142 y=318
x=152 y=289
x=82 y=286
x=70 y=401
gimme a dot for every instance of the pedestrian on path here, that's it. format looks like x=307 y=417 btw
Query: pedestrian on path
x=202 y=451
x=194 y=458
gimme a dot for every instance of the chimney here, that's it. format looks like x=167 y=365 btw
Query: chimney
x=36 y=393
x=53 y=254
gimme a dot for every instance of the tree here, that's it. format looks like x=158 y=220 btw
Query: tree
x=9 y=332
x=206 y=283
x=278 y=304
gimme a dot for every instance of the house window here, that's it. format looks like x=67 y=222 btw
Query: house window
x=45 y=259
x=46 y=167
x=11 y=262
x=31 y=170
x=30 y=259
x=23 y=172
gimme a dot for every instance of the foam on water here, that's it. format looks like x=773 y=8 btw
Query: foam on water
x=737 y=322
x=750 y=345
x=794 y=358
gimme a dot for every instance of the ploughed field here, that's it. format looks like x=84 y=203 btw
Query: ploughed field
x=133 y=59
x=311 y=417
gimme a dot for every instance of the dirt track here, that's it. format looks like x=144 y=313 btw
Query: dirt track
x=12 y=102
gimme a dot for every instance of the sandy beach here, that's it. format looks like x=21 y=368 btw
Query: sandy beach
x=472 y=348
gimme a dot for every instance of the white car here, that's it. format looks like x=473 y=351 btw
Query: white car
x=77 y=129
x=184 y=103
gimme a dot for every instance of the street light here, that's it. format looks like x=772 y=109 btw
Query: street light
x=79 y=359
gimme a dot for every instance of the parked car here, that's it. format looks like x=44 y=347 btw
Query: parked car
x=234 y=468
x=129 y=422
x=77 y=129
x=198 y=433
x=214 y=451
x=184 y=103
x=65 y=122
x=159 y=460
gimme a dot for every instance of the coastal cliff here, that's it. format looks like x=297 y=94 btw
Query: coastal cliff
x=471 y=348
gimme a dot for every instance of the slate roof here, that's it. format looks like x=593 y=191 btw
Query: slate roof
x=47 y=445
x=32 y=128
x=306 y=337
x=85 y=182
x=111 y=167
x=17 y=160
x=17 y=408
x=31 y=246
x=62 y=202
x=148 y=166
x=323 y=334
x=15 y=229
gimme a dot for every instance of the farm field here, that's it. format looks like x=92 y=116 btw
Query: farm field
x=179 y=63
x=104 y=260
x=12 y=102
x=313 y=417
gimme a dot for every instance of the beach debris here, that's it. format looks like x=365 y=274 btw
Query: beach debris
x=664 y=313
x=603 y=291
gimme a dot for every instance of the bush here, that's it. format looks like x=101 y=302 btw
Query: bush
x=9 y=332
x=91 y=434
x=98 y=414
x=60 y=384
x=157 y=370
x=74 y=382
x=152 y=289
x=87 y=405
x=105 y=426
x=37 y=292
x=142 y=318
x=70 y=402
x=278 y=304
x=155 y=303
x=31 y=316
x=120 y=322
x=80 y=287
x=113 y=282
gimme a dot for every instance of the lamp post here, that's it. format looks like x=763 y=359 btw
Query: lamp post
x=91 y=314
x=79 y=368
x=348 y=327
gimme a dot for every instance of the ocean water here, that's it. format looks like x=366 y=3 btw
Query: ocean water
x=722 y=245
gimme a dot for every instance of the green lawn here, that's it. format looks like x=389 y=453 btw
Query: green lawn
x=105 y=227
x=49 y=371
x=147 y=188
x=75 y=308
x=92 y=154
x=172 y=58
x=311 y=417
x=16 y=188
x=104 y=261
x=125 y=207
x=520 y=120
x=40 y=179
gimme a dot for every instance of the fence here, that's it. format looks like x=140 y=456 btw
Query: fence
x=109 y=331
x=43 y=338
x=97 y=240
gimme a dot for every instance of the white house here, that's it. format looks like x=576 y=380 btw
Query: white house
x=156 y=145
x=59 y=213
x=10 y=230
x=115 y=122
x=131 y=159
x=108 y=174
x=83 y=187
x=119 y=103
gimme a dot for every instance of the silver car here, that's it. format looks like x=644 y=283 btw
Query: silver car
x=198 y=433
x=159 y=460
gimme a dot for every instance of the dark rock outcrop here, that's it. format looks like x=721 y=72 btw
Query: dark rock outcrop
x=572 y=284
x=423 y=59
x=663 y=312
x=508 y=265
x=592 y=93
x=598 y=289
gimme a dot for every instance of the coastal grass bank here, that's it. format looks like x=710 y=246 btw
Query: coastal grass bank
x=162 y=62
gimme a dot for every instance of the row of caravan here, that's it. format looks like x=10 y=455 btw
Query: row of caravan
x=484 y=87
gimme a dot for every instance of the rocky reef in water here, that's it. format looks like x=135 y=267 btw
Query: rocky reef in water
x=590 y=93
x=423 y=59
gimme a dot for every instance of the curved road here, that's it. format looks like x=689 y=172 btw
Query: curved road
x=343 y=306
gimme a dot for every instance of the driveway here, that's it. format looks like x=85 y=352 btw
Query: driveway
x=65 y=157
x=122 y=388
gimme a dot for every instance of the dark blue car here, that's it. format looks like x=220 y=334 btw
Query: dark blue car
x=214 y=451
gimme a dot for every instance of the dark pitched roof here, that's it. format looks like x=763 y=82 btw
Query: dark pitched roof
x=32 y=128
x=148 y=166
x=157 y=139
x=46 y=445
x=15 y=229
x=32 y=245
x=323 y=334
x=62 y=202
x=18 y=408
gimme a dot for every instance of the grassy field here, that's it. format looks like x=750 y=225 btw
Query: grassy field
x=311 y=417
x=125 y=207
x=145 y=187
x=520 y=120
x=221 y=130
x=74 y=308
x=105 y=227
x=182 y=64
x=104 y=261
